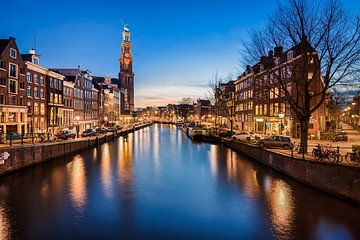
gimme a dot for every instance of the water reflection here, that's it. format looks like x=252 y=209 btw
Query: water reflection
x=281 y=207
x=77 y=175
x=156 y=147
x=4 y=222
x=157 y=184
x=106 y=177
x=125 y=161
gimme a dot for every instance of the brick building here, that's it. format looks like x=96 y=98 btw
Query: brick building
x=68 y=110
x=13 y=109
x=261 y=104
x=55 y=101
x=36 y=77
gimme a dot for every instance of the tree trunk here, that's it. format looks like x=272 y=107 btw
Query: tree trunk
x=231 y=124
x=304 y=128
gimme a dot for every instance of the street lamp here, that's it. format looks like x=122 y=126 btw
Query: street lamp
x=281 y=116
x=77 y=118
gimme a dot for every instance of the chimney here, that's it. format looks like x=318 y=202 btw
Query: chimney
x=248 y=70
x=271 y=53
x=278 y=51
x=262 y=59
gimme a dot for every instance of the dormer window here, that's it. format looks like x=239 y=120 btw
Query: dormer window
x=12 y=53
x=290 y=55
x=36 y=60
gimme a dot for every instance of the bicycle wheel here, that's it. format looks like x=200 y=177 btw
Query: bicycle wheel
x=348 y=158
x=337 y=158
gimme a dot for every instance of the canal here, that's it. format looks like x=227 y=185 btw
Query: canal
x=157 y=184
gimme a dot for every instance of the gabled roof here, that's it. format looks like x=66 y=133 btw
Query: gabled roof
x=204 y=102
x=3 y=44
x=67 y=71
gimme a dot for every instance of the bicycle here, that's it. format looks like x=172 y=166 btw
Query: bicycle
x=353 y=157
x=321 y=154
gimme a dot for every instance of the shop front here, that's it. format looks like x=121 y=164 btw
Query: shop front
x=13 y=120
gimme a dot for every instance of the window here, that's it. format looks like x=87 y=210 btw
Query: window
x=3 y=81
x=50 y=82
x=56 y=98
x=42 y=93
x=290 y=55
x=28 y=77
x=29 y=107
x=13 y=71
x=12 y=53
x=21 y=85
x=2 y=99
x=36 y=108
x=42 y=108
x=265 y=109
x=2 y=64
x=51 y=97
x=60 y=85
x=22 y=71
x=12 y=100
x=11 y=117
x=36 y=93
x=55 y=83
x=35 y=78
x=28 y=91
x=310 y=75
x=12 y=86
x=42 y=80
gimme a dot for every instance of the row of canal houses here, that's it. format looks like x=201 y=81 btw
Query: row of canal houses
x=255 y=101
x=35 y=99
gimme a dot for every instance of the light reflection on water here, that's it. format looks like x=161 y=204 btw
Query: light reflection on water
x=4 y=222
x=157 y=184
x=76 y=172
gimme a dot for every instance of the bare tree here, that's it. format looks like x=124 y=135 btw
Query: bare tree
x=329 y=52
x=185 y=107
x=222 y=96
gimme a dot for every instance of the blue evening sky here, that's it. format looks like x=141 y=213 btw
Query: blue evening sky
x=177 y=45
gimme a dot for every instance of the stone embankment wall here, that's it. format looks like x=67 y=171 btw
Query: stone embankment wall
x=340 y=180
x=23 y=156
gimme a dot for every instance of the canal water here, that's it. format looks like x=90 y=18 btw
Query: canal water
x=157 y=184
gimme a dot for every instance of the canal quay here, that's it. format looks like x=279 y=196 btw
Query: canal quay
x=158 y=184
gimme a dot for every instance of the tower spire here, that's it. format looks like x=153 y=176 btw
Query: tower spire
x=126 y=75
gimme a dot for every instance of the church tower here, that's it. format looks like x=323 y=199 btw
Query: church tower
x=126 y=75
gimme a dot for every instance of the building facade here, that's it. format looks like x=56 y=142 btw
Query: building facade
x=13 y=109
x=261 y=104
x=126 y=75
x=55 y=101
x=36 y=89
x=68 y=110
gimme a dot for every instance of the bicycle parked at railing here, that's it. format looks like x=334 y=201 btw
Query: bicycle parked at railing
x=353 y=157
x=321 y=153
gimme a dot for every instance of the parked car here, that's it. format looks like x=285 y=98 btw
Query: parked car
x=244 y=136
x=113 y=128
x=65 y=134
x=276 y=142
x=14 y=137
x=101 y=130
x=226 y=133
x=88 y=133
x=340 y=136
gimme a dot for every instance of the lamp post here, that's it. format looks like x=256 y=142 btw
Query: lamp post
x=77 y=118
x=281 y=116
